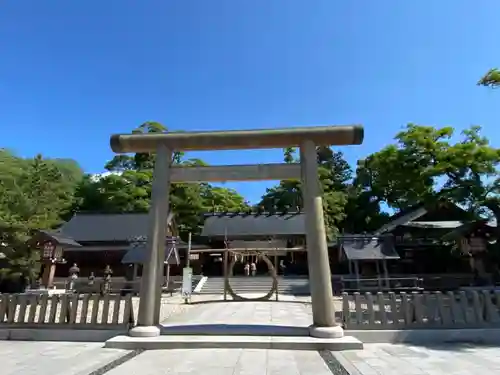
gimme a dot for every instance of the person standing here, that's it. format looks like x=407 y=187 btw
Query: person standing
x=253 y=268
x=247 y=269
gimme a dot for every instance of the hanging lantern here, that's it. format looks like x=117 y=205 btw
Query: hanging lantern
x=52 y=252
x=48 y=250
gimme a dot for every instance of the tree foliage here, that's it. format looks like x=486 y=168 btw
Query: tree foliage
x=491 y=78
x=425 y=163
x=127 y=188
x=35 y=194
x=334 y=173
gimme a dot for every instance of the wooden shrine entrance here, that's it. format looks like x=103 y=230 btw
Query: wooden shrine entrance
x=268 y=252
x=265 y=251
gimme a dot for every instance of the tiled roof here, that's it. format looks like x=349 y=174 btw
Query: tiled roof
x=401 y=219
x=418 y=211
x=235 y=225
x=137 y=255
x=88 y=227
x=60 y=238
x=368 y=248
x=450 y=224
x=487 y=225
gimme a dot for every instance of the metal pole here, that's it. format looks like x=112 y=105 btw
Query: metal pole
x=386 y=275
x=324 y=324
x=167 y=277
x=134 y=274
x=188 y=260
x=158 y=214
x=226 y=277
x=276 y=271
x=226 y=254
x=188 y=254
x=356 y=270
x=379 y=280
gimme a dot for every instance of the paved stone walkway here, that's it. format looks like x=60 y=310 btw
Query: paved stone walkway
x=224 y=362
x=54 y=358
x=45 y=358
x=392 y=359
x=62 y=358
x=288 y=311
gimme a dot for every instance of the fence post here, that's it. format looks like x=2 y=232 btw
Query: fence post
x=455 y=309
x=381 y=308
x=358 y=309
x=370 y=308
x=444 y=316
x=4 y=310
x=464 y=304
x=394 y=308
x=406 y=309
x=490 y=309
x=44 y=301
x=11 y=308
x=418 y=316
x=478 y=307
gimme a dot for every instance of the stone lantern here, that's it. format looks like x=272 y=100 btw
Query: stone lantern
x=73 y=277
x=106 y=285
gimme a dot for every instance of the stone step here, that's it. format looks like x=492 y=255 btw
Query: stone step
x=256 y=284
x=259 y=284
x=253 y=284
x=233 y=330
x=257 y=290
x=219 y=288
x=240 y=290
x=233 y=342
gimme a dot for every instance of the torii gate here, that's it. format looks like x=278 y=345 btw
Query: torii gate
x=306 y=138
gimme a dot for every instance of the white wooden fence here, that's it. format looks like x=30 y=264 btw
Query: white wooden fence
x=83 y=311
x=421 y=310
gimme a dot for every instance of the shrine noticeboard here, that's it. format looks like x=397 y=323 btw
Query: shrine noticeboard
x=187 y=282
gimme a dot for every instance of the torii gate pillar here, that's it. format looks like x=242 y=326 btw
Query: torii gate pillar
x=318 y=263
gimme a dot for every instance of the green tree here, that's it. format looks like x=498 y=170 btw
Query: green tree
x=425 y=163
x=402 y=174
x=491 y=78
x=140 y=161
x=334 y=173
x=34 y=194
x=363 y=213
x=128 y=189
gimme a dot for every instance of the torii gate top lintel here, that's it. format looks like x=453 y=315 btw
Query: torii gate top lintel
x=239 y=139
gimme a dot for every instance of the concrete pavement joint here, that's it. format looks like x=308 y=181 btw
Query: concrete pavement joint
x=117 y=362
x=333 y=364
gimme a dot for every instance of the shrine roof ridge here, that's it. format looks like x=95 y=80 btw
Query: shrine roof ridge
x=254 y=224
x=256 y=214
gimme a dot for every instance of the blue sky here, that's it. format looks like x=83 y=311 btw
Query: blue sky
x=74 y=72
